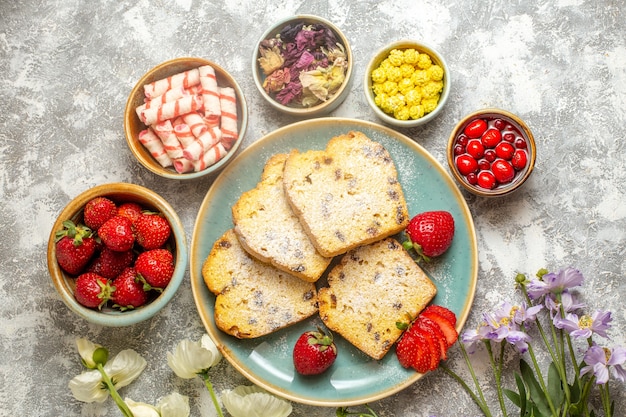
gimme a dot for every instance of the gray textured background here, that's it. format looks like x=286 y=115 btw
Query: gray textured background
x=67 y=67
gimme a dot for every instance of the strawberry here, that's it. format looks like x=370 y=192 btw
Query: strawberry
x=430 y=233
x=75 y=247
x=110 y=263
x=128 y=292
x=97 y=211
x=442 y=311
x=407 y=349
x=434 y=332
x=156 y=266
x=117 y=234
x=422 y=362
x=92 y=290
x=314 y=352
x=152 y=230
x=449 y=331
x=130 y=210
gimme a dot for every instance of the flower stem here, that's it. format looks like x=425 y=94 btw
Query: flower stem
x=114 y=394
x=542 y=382
x=497 y=369
x=480 y=402
x=209 y=387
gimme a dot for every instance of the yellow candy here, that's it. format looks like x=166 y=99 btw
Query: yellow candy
x=430 y=103
x=432 y=88
x=413 y=97
x=416 y=112
x=402 y=113
x=379 y=75
x=405 y=85
x=378 y=88
x=407 y=70
x=424 y=61
x=410 y=56
x=435 y=72
x=394 y=74
x=390 y=87
x=396 y=57
x=419 y=77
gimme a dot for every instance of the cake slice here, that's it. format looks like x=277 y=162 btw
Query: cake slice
x=369 y=291
x=346 y=195
x=269 y=230
x=253 y=298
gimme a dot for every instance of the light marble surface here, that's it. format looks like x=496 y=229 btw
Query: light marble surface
x=67 y=67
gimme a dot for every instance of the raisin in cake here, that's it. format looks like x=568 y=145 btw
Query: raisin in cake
x=253 y=298
x=269 y=230
x=346 y=195
x=372 y=288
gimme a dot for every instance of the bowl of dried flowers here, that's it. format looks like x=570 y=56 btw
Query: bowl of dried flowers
x=302 y=66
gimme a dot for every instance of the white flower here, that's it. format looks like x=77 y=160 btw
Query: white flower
x=141 y=409
x=86 y=350
x=191 y=358
x=173 y=405
x=122 y=370
x=253 y=401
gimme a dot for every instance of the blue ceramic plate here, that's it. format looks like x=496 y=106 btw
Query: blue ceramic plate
x=354 y=378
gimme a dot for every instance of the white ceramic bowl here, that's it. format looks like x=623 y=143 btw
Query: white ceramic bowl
x=295 y=109
x=380 y=56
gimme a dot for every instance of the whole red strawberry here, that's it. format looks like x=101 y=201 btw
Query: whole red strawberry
x=314 y=352
x=130 y=210
x=117 y=234
x=75 y=247
x=128 y=292
x=152 y=230
x=97 y=211
x=110 y=263
x=156 y=266
x=430 y=233
x=92 y=290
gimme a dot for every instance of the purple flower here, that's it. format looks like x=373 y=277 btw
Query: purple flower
x=472 y=338
x=569 y=303
x=599 y=360
x=555 y=283
x=584 y=326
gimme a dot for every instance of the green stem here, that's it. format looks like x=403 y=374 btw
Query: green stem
x=480 y=402
x=497 y=369
x=209 y=387
x=114 y=394
x=542 y=382
x=606 y=399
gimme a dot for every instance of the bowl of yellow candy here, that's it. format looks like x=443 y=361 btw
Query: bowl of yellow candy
x=407 y=83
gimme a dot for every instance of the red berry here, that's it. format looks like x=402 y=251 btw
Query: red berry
x=499 y=124
x=520 y=159
x=117 y=234
x=442 y=311
x=509 y=137
x=110 y=263
x=462 y=140
x=97 y=211
x=92 y=290
x=475 y=148
x=472 y=178
x=314 y=352
x=466 y=164
x=483 y=164
x=490 y=155
x=152 y=230
x=156 y=266
x=459 y=149
x=503 y=171
x=434 y=331
x=505 y=150
x=486 y=179
x=520 y=143
x=431 y=232
x=130 y=210
x=74 y=247
x=128 y=291
x=491 y=138
x=448 y=329
x=475 y=128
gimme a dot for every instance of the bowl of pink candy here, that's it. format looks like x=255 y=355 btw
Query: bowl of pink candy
x=185 y=118
x=302 y=66
x=491 y=152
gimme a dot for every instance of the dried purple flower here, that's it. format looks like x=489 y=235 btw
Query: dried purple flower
x=598 y=360
x=554 y=283
x=584 y=326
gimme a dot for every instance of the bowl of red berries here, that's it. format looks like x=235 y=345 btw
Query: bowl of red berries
x=117 y=254
x=491 y=152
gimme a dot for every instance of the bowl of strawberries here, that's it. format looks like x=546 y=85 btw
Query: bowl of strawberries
x=117 y=254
